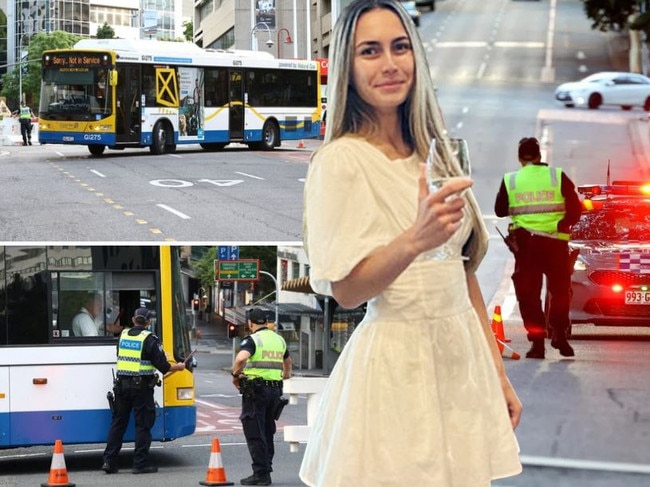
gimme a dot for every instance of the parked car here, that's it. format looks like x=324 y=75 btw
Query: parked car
x=626 y=90
x=611 y=275
x=409 y=6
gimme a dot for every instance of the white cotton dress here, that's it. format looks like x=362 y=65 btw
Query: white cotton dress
x=414 y=398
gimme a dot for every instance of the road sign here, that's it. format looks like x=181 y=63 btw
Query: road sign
x=238 y=270
x=228 y=252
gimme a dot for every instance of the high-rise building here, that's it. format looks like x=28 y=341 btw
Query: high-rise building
x=284 y=28
x=159 y=19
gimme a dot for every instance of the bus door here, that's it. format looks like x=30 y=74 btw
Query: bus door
x=236 y=104
x=128 y=103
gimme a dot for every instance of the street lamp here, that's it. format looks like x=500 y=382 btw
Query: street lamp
x=287 y=39
x=20 y=69
x=269 y=42
x=277 y=296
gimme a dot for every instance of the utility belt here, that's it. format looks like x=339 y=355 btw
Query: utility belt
x=132 y=382
x=249 y=386
x=259 y=382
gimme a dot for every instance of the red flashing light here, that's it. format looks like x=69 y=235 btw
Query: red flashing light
x=617 y=288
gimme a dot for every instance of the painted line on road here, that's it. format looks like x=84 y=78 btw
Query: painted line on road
x=94 y=171
x=572 y=463
x=114 y=204
x=249 y=175
x=173 y=211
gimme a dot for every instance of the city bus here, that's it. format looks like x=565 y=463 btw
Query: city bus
x=121 y=93
x=55 y=380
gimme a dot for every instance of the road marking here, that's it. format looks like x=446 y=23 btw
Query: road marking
x=249 y=175
x=222 y=182
x=584 y=116
x=175 y=212
x=171 y=183
x=585 y=464
x=94 y=171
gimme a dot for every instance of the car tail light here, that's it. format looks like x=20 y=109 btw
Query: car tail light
x=617 y=288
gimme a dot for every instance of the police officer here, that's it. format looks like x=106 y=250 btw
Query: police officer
x=25 y=116
x=261 y=364
x=139 y=353
x=542 y=204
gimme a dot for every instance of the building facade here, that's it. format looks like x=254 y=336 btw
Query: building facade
x=160 y=19
x=251 y=24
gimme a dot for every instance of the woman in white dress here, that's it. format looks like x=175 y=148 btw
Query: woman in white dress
x=419 y=395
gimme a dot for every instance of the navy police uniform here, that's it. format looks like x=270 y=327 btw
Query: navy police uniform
x=261 y=389
x=139 y=354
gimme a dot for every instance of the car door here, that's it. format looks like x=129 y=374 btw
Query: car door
x=617 y=91
x=639 y=90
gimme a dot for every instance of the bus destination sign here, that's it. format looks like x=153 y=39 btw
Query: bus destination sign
x=75 y=60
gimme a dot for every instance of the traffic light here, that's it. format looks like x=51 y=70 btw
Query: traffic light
x=233 y=331
x=195 y=304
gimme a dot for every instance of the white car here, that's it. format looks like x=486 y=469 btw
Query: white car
x=626 y=90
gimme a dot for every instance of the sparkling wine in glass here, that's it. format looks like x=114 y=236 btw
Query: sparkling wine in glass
x=436 y=177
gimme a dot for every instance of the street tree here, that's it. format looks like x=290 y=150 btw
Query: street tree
x=188 y=30
x=31 y=69
x=631 y=16
x=610 y=15
x=105 y=32
x=267 y=255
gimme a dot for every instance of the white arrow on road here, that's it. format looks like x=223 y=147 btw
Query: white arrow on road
x=222 y=182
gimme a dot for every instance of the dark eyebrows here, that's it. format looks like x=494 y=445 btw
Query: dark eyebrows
x=363 y=44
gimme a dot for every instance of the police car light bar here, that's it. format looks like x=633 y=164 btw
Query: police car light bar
x=630 y=188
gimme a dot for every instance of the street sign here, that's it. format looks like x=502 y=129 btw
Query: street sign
x=228 y=252
x=238 y=270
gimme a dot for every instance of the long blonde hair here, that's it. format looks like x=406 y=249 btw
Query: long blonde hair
x=421 y=118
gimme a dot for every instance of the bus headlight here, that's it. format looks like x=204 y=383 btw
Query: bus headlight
x=184 y=393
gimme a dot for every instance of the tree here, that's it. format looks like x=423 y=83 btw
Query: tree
x=105 y=32
x=610 y=15
x=619 y=16
x=267 y=255
x=31 y=78
x=188 y=30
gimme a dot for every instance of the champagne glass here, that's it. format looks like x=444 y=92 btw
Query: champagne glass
x=437 y=175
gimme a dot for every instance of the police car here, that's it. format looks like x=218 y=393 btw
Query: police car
x=611 y=243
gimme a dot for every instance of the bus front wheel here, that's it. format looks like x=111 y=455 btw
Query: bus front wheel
x=161 y=141
x=96 y=150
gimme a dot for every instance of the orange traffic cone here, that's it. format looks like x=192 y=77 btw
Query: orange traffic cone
x=58 y=472
x=216 y=473
x=513 y=355
x=497 y=326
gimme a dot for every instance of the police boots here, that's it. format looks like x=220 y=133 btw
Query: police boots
x=257 y=479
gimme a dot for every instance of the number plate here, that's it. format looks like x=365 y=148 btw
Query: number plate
x=68 y=138
x=637 y=297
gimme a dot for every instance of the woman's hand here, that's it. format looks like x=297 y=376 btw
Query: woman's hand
x=438 y=215
x=513 y=403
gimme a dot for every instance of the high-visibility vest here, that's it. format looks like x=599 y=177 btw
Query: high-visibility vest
x=129 y=354
x=266 y=362
x=25 y=112
x=535 y=200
